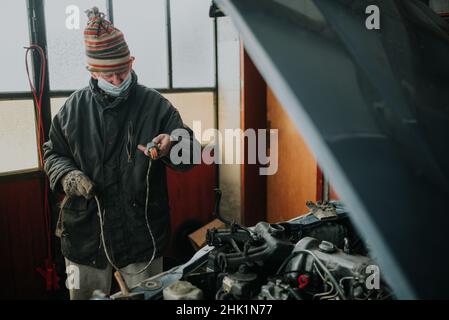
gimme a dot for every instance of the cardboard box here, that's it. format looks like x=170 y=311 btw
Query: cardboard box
x=198 y=238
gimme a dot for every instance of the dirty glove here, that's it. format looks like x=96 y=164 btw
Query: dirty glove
x=77 y=184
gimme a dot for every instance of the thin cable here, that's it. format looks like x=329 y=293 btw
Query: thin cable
x=101 y=217
x=285 y=262
x=326 y=270
x=330 y=297
x=343 y=279
x=319 y=273
x=323 y=294
x=38 y=100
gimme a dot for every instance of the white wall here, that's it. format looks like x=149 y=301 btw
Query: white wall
x=229 y=109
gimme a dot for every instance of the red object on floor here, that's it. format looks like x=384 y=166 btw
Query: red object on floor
x=50 y=275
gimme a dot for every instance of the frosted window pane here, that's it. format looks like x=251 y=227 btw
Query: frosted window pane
x=13 y=37
x=17 y=136
x=144 y=24
x=192 y=43
x=66 y=53
x=195 y=106
x=56 y=104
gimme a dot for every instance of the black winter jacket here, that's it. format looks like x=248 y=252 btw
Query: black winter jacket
x=100 y=138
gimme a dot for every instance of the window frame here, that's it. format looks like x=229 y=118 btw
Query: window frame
x=38 y=35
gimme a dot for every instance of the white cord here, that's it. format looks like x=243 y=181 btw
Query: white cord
x=101 y=216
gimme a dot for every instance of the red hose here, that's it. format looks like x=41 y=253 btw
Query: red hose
x=49 y=270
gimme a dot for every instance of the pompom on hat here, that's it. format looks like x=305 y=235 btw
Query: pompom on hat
x=106 y=48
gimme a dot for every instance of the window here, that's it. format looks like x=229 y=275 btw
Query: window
x=66 y=53
x=56 y=104
x=17 y=124
x=173 y=42
x=195 y=106
x=13 y=37
x=144 y=25
x=17 y=135
x=192 y=44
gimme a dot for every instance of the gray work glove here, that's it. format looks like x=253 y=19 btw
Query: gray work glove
x=77 y=184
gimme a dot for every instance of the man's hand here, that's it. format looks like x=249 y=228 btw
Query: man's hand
x=163 y=142
x=77 y=184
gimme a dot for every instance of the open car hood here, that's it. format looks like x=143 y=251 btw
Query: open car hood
x=373 y=105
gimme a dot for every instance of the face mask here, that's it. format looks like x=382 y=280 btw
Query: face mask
x=112 y=90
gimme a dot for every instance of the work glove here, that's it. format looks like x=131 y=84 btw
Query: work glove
x=77 y=184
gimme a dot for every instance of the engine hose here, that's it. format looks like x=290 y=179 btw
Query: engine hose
x=249 y=252
x=101 y=216
x=233 y=259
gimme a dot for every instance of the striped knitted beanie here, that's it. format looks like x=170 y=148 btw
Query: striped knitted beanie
x=106 y=48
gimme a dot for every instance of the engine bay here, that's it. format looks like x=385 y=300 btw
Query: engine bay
x=318 y=256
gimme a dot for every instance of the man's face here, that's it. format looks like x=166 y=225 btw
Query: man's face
x=115 y=78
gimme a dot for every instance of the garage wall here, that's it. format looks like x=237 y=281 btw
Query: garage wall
x=22 y=227
x=254 y=117
x=22 y=237
x=191 y=205
x=296 y=180
x=229 y=113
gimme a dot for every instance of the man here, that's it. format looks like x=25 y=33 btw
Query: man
x=92 y=155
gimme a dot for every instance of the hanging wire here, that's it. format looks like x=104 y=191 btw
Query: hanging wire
x=49 y=271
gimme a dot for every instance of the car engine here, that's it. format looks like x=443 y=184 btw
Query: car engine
x=315 y=257
x=318 y=256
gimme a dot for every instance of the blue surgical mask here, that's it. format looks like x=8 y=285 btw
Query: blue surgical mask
x=113 y=90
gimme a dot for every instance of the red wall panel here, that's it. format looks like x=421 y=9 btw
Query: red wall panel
x=22 y=228
x=22 y=238
x=191 y=197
